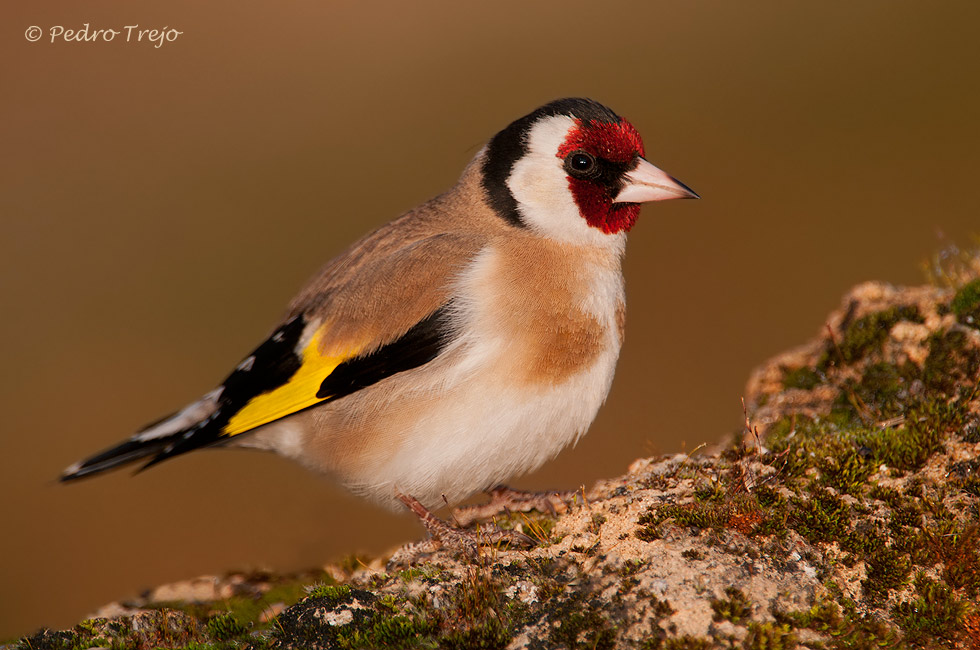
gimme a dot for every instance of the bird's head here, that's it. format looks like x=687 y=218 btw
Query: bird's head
x=573 y=170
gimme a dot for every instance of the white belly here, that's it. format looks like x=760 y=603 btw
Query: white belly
x=485 y=432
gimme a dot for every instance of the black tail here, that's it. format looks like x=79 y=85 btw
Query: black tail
x=192 y=427
x=122 y=454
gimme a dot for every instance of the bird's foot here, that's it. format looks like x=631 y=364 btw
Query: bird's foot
x=412 y=553
x=505 y=500
x=445 y=535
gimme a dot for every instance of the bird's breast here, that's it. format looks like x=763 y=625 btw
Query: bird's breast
x=552 y=311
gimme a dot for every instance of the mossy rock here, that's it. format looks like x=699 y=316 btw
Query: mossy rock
x=966 y=304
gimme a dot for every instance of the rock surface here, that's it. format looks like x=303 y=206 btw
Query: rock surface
x=846 y=516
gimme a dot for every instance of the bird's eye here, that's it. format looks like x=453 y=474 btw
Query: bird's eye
x=579 y=164
x=582 y=162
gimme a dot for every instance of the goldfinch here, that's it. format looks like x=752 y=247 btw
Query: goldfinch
x=464 y=343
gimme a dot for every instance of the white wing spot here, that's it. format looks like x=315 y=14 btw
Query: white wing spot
x=247 y=364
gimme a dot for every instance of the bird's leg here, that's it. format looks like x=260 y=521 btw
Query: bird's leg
x=459 y=539
x=504 y=499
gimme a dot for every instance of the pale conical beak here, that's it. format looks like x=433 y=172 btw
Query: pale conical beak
x=649 y=183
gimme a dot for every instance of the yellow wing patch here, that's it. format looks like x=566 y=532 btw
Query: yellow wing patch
x=295 y=395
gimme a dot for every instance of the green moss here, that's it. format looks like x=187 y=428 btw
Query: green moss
x=697 y=515
x=908 y=447
x=794 y=440
x=656 y=637
x=649 y=523
x=710 y=491
x=331 y=595
x=490 y=636
x=847 y=454
x=803 y=378
x=631 y=568
x=479 y=616
x=866 y=335
x=935 y=614
x=539 y=526
x=153 y=629
x=472 y=613
x=952 y=362
x=61 y=640
x=823 y=616
x=478 y=596
x=580 y=626
x=956 y=547
x=890 y=496
x=822 y=517
x=648 y=533
x=845 y=464
x=224 y=627
x=970 y=485
x=595 y=523
x=427 y=572
x=588 y=551
x=686 y=642
x=739 y=512
x=90 y=625
x=248 y=609
x=547 y=575
x=735 y=608
x=887 y=569
x=966 y=304
x=368 y=621
x=660 y=609
x=904 y=448
x=769 y=636
x=847 y=629
x=391 y=632
x=883 y=388
x=411 y=574
x=774 y=522
x=719 y=509
x=904 y=515
x=769 y=497
x=880 y=393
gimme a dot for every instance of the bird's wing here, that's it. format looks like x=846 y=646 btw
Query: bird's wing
x=291 y=371
x=365 y=317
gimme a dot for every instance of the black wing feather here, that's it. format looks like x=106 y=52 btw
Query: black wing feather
x=416 y=347
x=275 y=362
x=270 y=366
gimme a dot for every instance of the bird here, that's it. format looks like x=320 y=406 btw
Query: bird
x=464 y=343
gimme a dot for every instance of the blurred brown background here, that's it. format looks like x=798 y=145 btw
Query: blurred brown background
x=159 y=206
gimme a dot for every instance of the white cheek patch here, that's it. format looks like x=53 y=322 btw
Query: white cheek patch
x=539 y=184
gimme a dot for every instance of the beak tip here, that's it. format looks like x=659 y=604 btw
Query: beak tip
x=649 y=183
x=690 y=194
